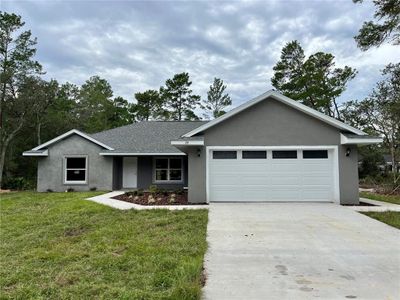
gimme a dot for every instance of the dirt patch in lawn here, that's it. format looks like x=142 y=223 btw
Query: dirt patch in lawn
x=159 y=198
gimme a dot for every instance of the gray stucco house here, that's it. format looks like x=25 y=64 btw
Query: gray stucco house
x=270 y=148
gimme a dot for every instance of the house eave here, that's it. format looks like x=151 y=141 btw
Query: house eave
x=187 y=143
x=36 y=153
x=142 y=154
x=344 y=140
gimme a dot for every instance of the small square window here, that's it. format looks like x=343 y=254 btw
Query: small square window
x=75 y=170
x=254 y=154
x=168 y=170
x=284 y=154
x=224 y=154
x=315 y=154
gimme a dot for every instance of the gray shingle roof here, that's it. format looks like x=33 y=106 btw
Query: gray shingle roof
x=146 y=136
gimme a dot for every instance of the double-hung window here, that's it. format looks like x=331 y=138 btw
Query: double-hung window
x=168 y=170
x=75 y=169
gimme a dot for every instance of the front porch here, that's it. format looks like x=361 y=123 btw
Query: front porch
x=132 y=172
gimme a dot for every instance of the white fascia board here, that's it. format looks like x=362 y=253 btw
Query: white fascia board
x=43 y=153
x=344 y=140
x=187 y=143
x=68 y=133
x=295 y=104
x=140 y=154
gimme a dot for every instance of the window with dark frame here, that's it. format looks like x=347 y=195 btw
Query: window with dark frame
x=254 y=154
x=284 y=154
x=168 y=169
x=75 y=169
x=224 y=154
x=315 y=154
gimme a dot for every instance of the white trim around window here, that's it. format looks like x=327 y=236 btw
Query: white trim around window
x=168 y=170
x=65 y=169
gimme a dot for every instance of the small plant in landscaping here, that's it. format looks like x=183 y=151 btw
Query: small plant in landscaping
x=69 y=190
x=93 y=188
x=140 y=192
x=179 y=191
x=153 y=189
x=49 y=190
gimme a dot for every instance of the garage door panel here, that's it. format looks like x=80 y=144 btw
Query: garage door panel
x=290 y=193
x=285 y=180
x=271 y=179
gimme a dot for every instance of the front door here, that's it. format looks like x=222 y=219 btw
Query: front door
x=129 y=172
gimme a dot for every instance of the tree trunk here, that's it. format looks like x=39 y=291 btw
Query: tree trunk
x=2 y=159
x=393 y=157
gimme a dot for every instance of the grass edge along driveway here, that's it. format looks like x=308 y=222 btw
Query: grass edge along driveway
x=58 y=246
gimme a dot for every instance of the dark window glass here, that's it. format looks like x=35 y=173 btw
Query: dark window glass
x=162 y=163
x=76 y=163
x=175 y=163
x=254 y=154
x=315 y=154
x=175 y=175
x=76 y=175
x=161 y=175
x=224 y=154
x=284 y=154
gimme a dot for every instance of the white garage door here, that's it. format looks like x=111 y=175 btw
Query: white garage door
x=271 y=175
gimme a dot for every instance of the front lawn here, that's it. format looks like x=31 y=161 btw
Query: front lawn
x=380 y=197
x=389 y=217
x=59 y=246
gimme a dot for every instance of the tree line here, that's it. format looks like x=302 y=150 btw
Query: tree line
x=33 y=110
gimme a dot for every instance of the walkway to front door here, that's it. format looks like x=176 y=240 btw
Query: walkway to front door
x=299 y=251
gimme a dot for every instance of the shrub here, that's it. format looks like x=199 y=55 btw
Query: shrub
x=70 y=190
x=153 y=189
x=49 y=190
x=18 y=183
x=93 y=189
x=140 y=192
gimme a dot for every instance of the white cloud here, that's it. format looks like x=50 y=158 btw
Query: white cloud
x=138 y=45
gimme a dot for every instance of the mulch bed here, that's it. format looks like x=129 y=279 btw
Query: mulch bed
x=158 y=199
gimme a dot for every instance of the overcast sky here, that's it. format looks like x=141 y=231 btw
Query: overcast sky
x=138 y=45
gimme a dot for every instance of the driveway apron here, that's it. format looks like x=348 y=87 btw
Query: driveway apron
x=299 y=251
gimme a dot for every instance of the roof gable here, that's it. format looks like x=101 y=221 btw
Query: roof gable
x=279 y=97
x=66 y=135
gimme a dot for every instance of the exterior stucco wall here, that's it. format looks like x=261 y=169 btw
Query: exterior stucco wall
x=272 y=123
x=51 y=168
x=348 y=175
x=145 y=176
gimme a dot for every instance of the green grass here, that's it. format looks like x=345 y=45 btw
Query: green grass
x=389 y=217
x=379 y=197
x=59 y=246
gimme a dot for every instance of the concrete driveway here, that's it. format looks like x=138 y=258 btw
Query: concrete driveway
x=299 y=251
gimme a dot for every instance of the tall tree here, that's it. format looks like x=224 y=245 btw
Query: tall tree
x=120 y=113
x=148 y=106
x=217 y=99
x=314 y=81
x=95 y=104
x=178 y=98
x=385 y=27
x=380 y=112
x=17 y=50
